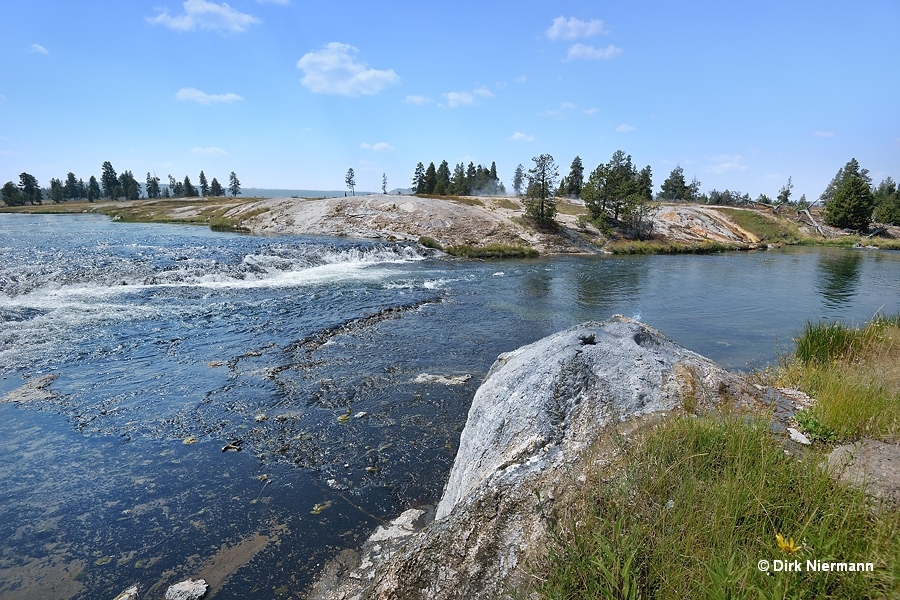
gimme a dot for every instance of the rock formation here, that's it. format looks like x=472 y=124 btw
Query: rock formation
x=543 y=416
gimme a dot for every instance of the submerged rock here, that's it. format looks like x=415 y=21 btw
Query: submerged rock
x=191 y=589
x=129 y=594
x=543 y=416
x=34 y=390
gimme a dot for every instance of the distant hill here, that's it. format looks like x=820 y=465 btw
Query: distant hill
x=277 y=193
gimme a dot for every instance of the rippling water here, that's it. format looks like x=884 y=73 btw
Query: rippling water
x=306 y=351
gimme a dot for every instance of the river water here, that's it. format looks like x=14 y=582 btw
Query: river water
x=308 y=354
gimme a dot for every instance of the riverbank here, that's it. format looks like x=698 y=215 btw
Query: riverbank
x=472 y=223
x=623 y=463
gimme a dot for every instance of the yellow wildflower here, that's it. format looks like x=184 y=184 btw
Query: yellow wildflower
x=788 y=546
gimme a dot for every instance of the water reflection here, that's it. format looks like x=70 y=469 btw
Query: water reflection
x=838 y=277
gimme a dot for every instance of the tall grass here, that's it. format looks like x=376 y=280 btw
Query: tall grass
x=854 y=373
x=697 y=503
x=491 y=251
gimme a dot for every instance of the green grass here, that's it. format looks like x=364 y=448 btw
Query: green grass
x=768 y=229
x=668 y=247
x=567 y=208
x=696 y=503
x=507 y=204
x=491 y=251
x=430 y=242
x=854 y=373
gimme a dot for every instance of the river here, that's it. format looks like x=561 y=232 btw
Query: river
x=308 y=354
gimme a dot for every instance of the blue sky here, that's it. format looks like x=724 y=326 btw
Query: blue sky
x=291 y=93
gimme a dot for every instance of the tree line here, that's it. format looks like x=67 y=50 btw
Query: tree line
x=618 y=191
x=112 y=186
x=463 y=181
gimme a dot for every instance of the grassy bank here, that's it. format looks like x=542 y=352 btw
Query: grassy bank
x=668 y=247
x=855 y=375
x=691 y=506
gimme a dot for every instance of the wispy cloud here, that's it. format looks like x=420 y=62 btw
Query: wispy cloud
x=565 y=108
x=38 y=49
x=195 y=95
x=824 y=134
x=417 y=100
x=379 y=147
x=521 y=137
x=520 y=79
x=209 y=151
x=205 y=15
x=586 y=52
x=457 y=99
x=573 y=29
x=335 y=70
x=725 y=163
x=625 y=128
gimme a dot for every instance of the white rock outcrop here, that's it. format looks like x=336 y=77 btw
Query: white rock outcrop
x=539 y=421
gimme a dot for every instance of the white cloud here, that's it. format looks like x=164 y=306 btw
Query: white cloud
x=520 y=79
x=379 y=147
x=209 y=151
x=195 y=95
x=589 y=111
x=456 y=99
x=417 y=100
x=625 y=128
x=38 y=49
x=824 y=134
x=572 y=28
x=585 y=52
x=725 y=163
x=334 y=70
x=521 y=137
x=205 y=15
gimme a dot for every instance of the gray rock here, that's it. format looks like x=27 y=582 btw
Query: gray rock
x=129 y=594
x=190 y=589
x=544 y=413
x=871 y=465
x=36 y=389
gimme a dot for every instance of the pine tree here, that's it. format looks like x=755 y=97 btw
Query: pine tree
x=93 y=191
x=204 y=186
x=575 y=179
x=384 y=183
x=216 y=189
x=12 y=196
x=350 y=180
x=539 y=203
x=442 y=183
x=110 y=181
x=189 y=190
x=459 y=184
x=57 y=193
x=851 y=202
x=30 y=189
x=234 y=185
x=675 y=187
x=430 y=179
x=70 y=188
x=418 y=182
x=518 y=180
